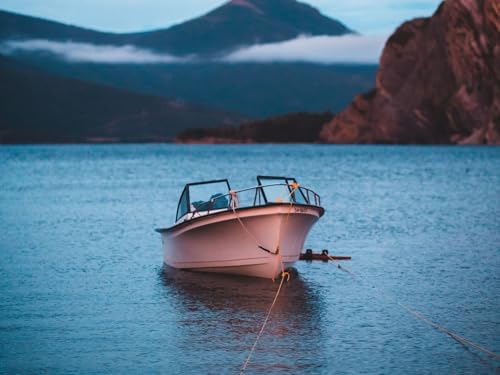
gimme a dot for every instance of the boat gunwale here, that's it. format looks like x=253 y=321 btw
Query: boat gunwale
x=270 y=204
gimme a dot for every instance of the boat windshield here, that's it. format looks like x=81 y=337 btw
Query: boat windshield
x=281 y=189
x=203 y=196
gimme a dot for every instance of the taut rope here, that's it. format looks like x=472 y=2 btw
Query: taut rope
x=417 y=314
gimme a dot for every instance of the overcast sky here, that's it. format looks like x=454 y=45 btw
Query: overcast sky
x=365 y=16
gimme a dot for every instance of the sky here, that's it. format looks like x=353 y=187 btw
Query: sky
x=369 y=17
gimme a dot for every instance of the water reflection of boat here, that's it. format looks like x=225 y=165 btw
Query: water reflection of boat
x=226 y=312
x=251 y=232
x=236 y=295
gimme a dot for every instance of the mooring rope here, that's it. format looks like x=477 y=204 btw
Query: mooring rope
x=462 y=340
x=234 y=197
x=417 y=314
x=284 y=275
x=294 y=187
x=234 y=200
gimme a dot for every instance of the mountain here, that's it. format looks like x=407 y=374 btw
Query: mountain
x=438 y=82
x=103 y=100
x=232 y=25
x=241 y=23
x=291 y=128
x=18 y=26
x=256 y=90
x=36 y=107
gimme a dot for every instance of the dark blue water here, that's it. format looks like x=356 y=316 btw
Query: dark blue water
x=82 y=288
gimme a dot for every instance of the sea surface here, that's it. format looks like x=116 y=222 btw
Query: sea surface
x=83 y=289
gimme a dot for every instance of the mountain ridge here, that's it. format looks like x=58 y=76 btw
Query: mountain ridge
x=226 y=28
x=253 y=90
x=65 y=110
x=438 y=83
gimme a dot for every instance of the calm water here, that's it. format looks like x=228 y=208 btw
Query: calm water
x=82 y=288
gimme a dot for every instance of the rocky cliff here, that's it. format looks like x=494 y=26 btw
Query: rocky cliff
x=438 y=82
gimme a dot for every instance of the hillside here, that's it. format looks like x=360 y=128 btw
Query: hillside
x=256 y=90
x=240 y=23
x=292 y=128
x=438 y=82
x=234 y=24
x=18 y=26
x=36 y=107
x=134 y=101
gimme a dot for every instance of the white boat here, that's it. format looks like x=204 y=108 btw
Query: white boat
x=259 y=231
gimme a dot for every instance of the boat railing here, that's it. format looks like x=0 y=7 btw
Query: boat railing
x=256 y=196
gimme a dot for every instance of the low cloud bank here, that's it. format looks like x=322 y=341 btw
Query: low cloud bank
x=317 y=49
x=89 y=53
x=313 y=49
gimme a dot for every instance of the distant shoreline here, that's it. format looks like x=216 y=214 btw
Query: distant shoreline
x=201 y=143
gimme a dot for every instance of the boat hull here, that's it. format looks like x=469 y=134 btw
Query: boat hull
x=244 y=242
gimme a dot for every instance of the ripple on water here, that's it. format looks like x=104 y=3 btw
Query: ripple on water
x=83 y=289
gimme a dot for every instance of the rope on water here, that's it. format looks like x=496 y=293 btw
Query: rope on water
x=417 y=314
x=340 y=267
x=462 y=340
x=284 y=275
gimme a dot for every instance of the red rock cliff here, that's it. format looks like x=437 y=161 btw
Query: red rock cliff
x=438 y=82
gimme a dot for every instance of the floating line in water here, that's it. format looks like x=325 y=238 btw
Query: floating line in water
x=417 y=314
x=284 y=275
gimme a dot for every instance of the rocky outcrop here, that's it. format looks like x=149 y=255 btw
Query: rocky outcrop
x=438 y=82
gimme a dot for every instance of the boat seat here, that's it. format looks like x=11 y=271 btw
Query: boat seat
x=219 y=201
